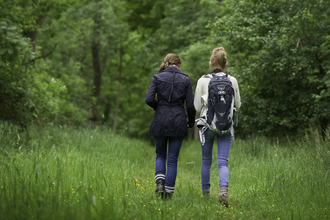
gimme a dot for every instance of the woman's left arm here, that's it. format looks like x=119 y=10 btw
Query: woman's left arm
x=190 y=105
x=237 y=95
x=151 y=94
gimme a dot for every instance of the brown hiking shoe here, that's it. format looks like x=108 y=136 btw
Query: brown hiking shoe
x=223 y=199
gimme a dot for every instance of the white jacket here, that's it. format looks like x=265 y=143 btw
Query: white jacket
x=201 y=102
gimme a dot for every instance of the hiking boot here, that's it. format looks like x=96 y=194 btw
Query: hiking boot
x=168 y=195
x=160 y=188
x=223 y=196
x=223 y=199
x=206 y=194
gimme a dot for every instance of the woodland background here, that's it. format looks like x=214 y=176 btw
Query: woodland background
x=82 y=62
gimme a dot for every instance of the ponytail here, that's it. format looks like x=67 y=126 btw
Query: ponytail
x=163 y=66
x=218 y=58
x=170 y=59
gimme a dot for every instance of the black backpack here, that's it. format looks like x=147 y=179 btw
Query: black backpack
x=220 y=114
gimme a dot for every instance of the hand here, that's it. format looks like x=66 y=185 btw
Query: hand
x=190 y=124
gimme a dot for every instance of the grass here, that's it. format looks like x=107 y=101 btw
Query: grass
x=63 y=173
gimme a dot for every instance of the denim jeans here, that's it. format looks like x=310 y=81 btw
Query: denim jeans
x=171 y=155
x=224 y=142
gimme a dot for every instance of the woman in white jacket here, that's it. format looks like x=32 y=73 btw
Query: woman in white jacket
x=218 y=62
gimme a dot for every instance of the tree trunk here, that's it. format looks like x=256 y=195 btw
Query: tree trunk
x=107 y=105
x=97 y=69
x=33 y=35
x=107 y=112
x=121 y=53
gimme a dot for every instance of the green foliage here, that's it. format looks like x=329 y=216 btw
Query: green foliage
x=145 y=14
x=15 y=55
x=71 y=62
x=25 y=94
x=281 y=58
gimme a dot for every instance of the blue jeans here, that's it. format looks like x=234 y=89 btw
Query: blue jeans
x=224 y=142
x=174 y=146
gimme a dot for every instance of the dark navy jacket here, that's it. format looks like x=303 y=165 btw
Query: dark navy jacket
x=173 y=88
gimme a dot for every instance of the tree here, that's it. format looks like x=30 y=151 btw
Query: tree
x=23 y=97
x=95 y=46
x=281 y=60
x=86 y=58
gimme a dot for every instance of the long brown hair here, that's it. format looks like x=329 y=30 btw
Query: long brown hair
x=218 y=58
x=170 y=59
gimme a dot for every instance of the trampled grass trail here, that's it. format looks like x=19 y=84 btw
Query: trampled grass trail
x=63 y=173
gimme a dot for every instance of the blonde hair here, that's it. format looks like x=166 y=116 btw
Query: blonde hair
x=218 y=58
x=170 y=59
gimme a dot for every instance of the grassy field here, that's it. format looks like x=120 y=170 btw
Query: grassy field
x=64 y=173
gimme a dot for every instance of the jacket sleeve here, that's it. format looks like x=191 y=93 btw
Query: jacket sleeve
x=151 y=94
x=237 y=101
x=190 y=104
x=198 y=97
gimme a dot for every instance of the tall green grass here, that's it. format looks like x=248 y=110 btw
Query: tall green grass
x=61 y=173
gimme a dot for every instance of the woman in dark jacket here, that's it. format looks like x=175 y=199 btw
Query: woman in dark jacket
x=169 y=123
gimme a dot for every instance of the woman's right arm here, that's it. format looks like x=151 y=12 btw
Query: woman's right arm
x=150 y=96
x=198 y=97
